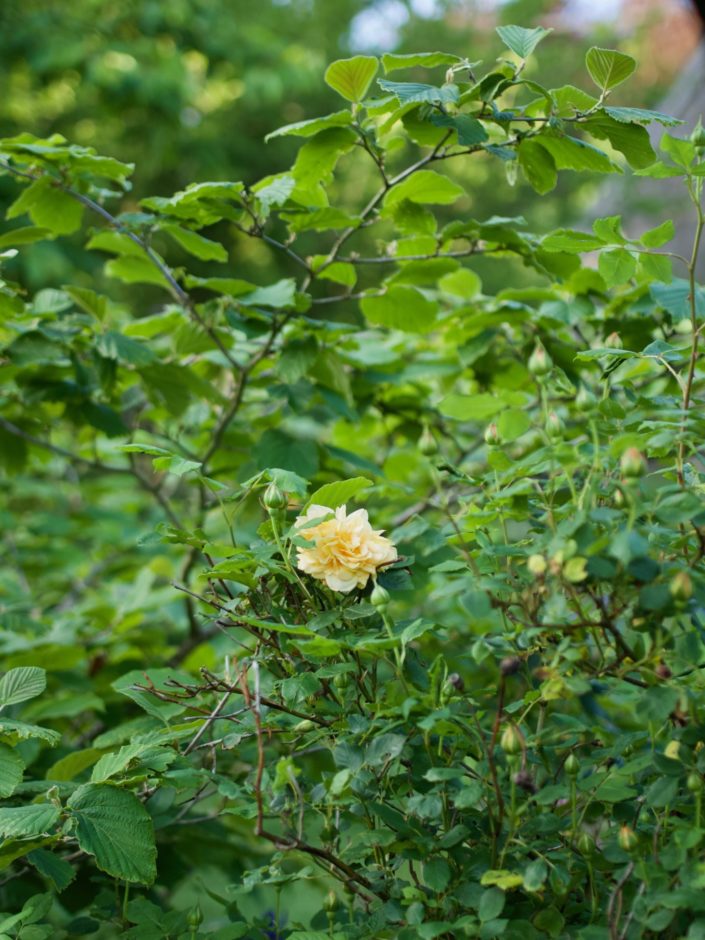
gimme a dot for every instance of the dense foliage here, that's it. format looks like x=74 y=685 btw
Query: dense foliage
x=502 y=736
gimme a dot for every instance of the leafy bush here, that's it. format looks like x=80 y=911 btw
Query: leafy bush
x=498 y=729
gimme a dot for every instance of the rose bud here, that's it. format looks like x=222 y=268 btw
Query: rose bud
x=540 y=363
x=492 y=436
x=379 y=598
x=512 y=740
x=584 y=400
x=613 y=341
x=427 y=444
x=632 y=463
x=628 y=839
x=554 y=427
x=274 y=498
x=663 y=672
x=586 y=844
x=572 y=765
x=455 y=681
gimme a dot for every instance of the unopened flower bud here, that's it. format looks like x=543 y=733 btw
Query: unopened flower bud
x=694 y=782
x=540 y=363
x=618 y=498
x=613 y=341
x=449 y=76
x=586 y=844
x=537 y=565
x=492 y=436
x=584 y=400
x=330 y=902
x=663 y=671
x=427 y=444
x=697 y=137
x=572 y=765
x=274 y=498
x=194 y=918
x=509 y=665
x=512 y=741
x=632 y=463
x=554 y=427
x=379 y=598
x=681 y=586
x=628 y=839
x=455 y=681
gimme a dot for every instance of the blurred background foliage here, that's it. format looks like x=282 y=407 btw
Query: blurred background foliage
x=187 y=90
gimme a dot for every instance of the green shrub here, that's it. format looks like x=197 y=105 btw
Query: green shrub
x=494 y=728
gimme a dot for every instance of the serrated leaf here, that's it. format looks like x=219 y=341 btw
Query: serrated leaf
x=280 y=294
x=23 y=821
x=114 y=826
x=338 y=493
x=428 y=60
x=24 y=236
x=352 y=77
x=11 y=770
x=23 y=731
x=616 y=266
x=608 y=67
x=642 y=116
x=312 y=126
x=400 y=308
x=407 y=92
x=632 y=140
x=58 y=871
x=520 y=40
x=425 y=187
x=470 y=131
x=655 y=237
x=22 y=683
x=569 y=153
x=538 y=166
x=572 y=241
x=195 y=244
x=478 y=407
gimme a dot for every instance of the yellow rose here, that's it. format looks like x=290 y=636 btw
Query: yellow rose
x=345 y=550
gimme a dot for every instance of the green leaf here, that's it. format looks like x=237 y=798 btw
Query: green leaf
x=569 y=153
x=281 y=294
x=114 y=345
x=58 y=871
x=88 y=300
x=352 y=77
x=461 y=283
x=470 y=131
x=491 y=904
x=642 y=116
x=616 y=266
x=471 y=407
x=317 y=158
x=132 y=269
x=11 y=770
x=680 y=150
x=400 y=308
x=608 y=68
x=312 y=126
x=520 y=40
x=407 y=92
x=632 y=140
x=33 y=820
x=196 y=244
x=437 y=874
x=114 y=826
x=609 y=229
x=24 y=236
x=425 y=187
x=338 y=493
x=18 y=685
x=428 y=60
x=655 y=237
x=572 y=241
x=538 y=166
x=48 y=207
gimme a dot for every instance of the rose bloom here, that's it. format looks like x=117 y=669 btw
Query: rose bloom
x=345 y=550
